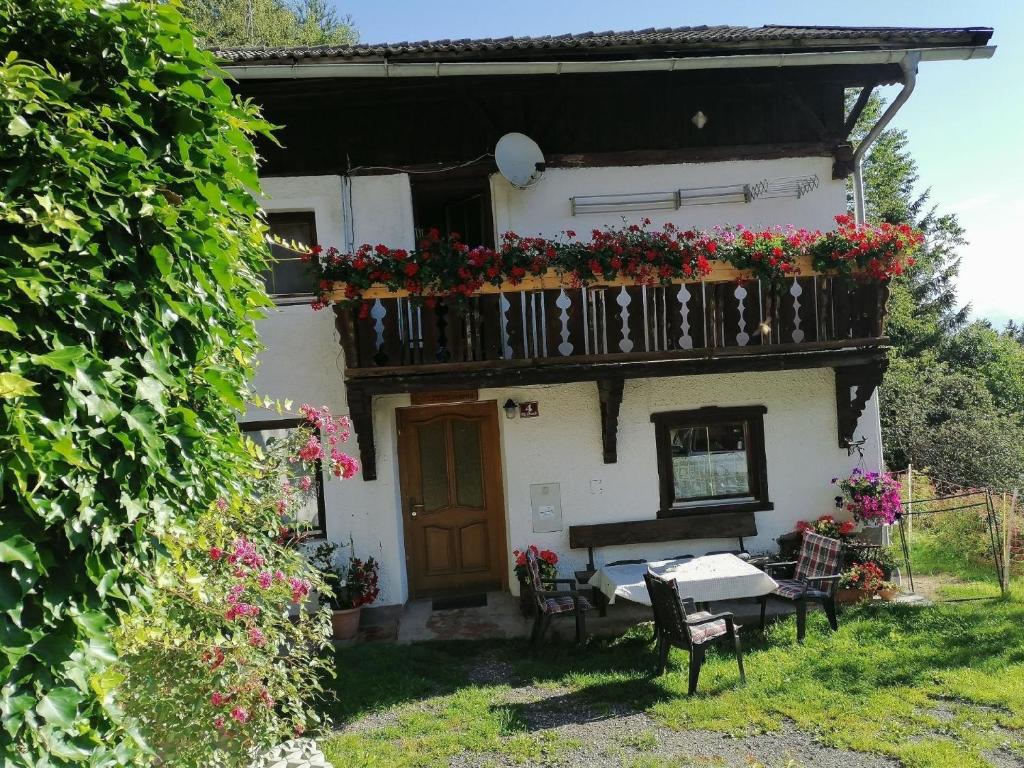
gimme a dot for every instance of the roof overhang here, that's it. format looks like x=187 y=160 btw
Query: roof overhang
x=315 y=68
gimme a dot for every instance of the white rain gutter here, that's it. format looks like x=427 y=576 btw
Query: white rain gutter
x=909 y=67
x=309 y=68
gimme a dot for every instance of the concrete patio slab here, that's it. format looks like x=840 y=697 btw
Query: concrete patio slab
x=417 y=621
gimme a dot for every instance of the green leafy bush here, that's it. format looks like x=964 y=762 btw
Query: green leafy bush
x=227 y=655
x=130 y=251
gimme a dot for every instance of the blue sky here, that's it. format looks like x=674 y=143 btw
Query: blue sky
x=964 y=119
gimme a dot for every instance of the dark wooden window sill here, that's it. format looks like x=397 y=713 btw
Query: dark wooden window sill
x=712 y=509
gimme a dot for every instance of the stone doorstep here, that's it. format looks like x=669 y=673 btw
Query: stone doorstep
x=416 y=621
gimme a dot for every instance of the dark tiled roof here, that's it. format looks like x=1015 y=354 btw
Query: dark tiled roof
x=639 y=43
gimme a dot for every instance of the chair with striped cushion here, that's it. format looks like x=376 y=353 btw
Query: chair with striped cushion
x=678 y=622
x=815 y=573
x=551 y=602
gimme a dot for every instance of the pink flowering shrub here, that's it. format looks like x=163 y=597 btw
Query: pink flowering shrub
x=228 y=633
x=872 y=497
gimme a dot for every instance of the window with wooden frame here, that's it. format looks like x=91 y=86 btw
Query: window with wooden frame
x=711 y=460
x=288 y=277
x=265 y=434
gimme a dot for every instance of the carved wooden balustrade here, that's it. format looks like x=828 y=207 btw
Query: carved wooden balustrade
x=625 y=322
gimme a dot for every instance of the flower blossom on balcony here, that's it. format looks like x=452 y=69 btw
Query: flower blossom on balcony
x=446 y=267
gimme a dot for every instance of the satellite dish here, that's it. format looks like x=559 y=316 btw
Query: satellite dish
x=519 y=159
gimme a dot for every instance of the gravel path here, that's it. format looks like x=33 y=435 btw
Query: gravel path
x=625 y=738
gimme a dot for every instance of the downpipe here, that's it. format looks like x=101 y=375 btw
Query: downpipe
x=909 y=66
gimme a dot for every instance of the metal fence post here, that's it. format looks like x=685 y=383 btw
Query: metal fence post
x=910 y=500
x=1008 y=513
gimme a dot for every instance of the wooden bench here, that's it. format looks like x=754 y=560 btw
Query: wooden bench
x=714 y=525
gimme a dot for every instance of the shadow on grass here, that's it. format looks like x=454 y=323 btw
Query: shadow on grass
x=876 y=646
x=591 y=704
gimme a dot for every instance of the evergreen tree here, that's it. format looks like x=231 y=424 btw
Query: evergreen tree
x=952 y=401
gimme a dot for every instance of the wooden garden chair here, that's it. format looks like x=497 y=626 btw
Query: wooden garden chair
x=551 y=602
x=815 y=573
x=678 y=622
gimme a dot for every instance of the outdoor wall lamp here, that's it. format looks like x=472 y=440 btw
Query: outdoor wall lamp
x=511 y=407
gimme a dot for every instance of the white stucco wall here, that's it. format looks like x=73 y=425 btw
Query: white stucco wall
x=303 y=362
x=544 y=208
x=563 y=445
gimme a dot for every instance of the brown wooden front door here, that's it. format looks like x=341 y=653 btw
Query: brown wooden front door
x=453 y=504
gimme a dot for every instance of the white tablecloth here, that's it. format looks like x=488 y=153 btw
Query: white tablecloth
x=706 y=579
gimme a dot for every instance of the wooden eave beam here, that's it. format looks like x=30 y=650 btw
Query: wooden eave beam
x=854 y=387
x=858 y=107
x=610 y=398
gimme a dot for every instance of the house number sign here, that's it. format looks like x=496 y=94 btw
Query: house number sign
x=528 y=410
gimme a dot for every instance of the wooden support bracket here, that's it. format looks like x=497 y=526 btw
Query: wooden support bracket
x=360 y=409
x=609 y=391
x=849 y=403
x=842 y=160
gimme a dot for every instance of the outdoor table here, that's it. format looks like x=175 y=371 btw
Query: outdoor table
x=706 y=579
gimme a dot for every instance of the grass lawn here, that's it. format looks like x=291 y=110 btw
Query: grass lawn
x=928 y=686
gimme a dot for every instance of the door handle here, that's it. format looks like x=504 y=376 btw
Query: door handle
x=414 y=508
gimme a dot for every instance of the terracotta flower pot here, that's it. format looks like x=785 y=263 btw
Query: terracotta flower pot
x=346 y=623
x=848 y=596
x=888 y=595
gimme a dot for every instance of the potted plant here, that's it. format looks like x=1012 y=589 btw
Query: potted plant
x=872 y=497
x=888 y=591
x=352 y=584
x=859 y=582
x=827 y=525
x=546 y=562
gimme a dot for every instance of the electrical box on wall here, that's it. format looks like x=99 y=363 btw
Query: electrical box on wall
x=546 y=503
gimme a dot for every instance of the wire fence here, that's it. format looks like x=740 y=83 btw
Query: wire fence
x=962 y=534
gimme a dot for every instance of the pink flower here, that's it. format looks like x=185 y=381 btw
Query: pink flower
x=306 y=482
x=216 y=553
x=344 y=466
x=312 y=450
x=241 y=714
x=264 y=579
x=279 y=575
x=267 y=698
x=300 y=588
x=219 y=699
x=222 y=504
x=218 y=723
x=256 y=637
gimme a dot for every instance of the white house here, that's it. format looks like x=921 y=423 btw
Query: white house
x=670 y=421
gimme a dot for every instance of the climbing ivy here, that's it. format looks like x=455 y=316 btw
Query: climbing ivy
x=130 y=251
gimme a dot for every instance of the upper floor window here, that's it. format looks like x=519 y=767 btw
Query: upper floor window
x=461 y=205
x=712 y=459
x=288 y=277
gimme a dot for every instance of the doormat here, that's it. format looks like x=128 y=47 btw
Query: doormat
x=461 y=601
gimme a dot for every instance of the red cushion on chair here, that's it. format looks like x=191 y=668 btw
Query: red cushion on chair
x=792 y=589
x=565 y=604
x=819 y=556
x=705 y=632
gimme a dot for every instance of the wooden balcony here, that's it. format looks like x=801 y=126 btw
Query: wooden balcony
x=543 y=331
x=614 y=323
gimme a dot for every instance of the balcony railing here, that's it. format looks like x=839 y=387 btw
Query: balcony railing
x=618 y=322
